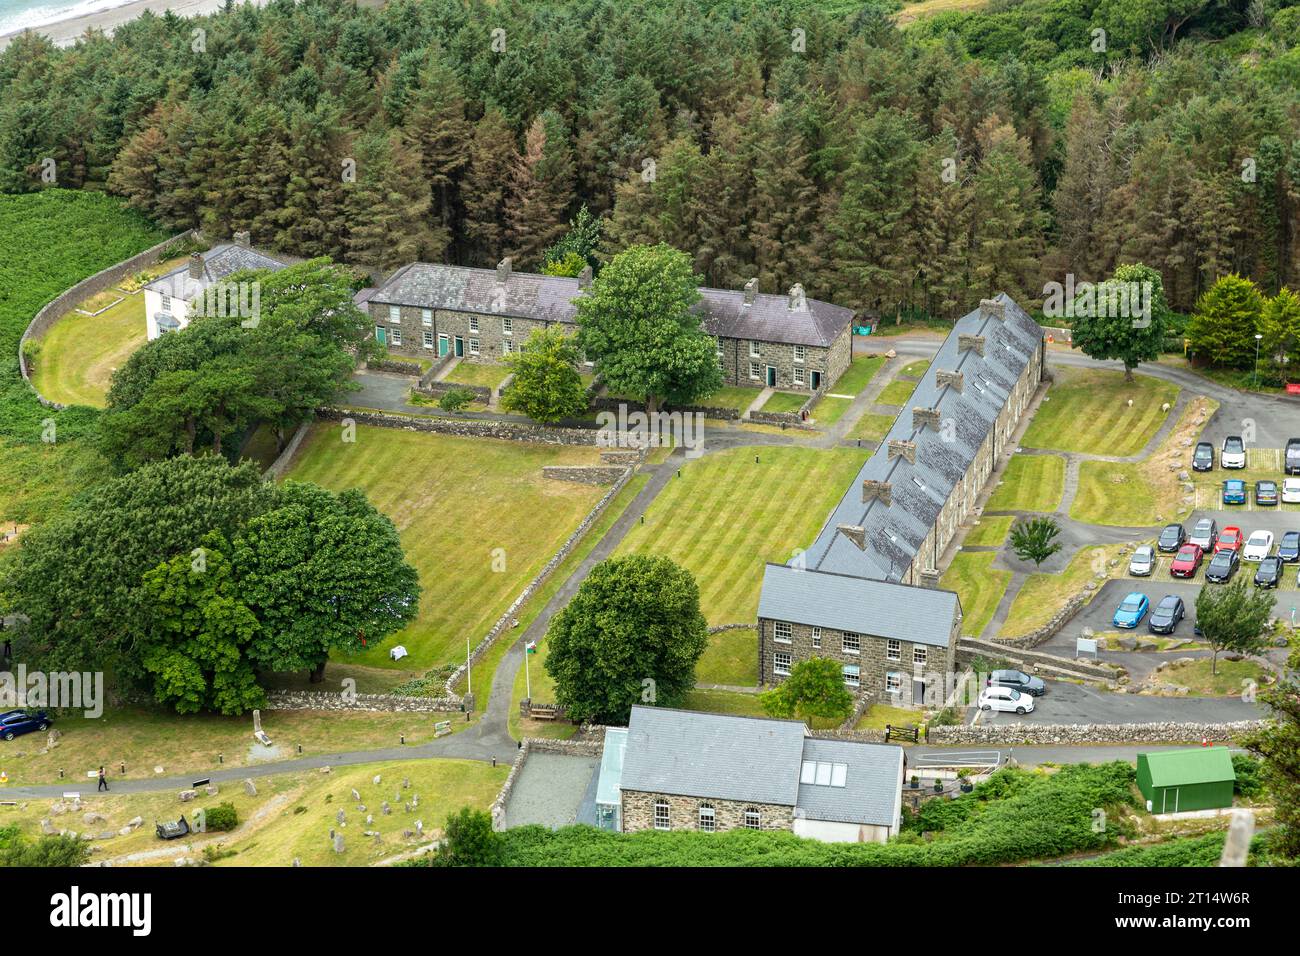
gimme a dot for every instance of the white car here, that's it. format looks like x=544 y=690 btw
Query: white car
x=1291 y=490
x=1005 y=699
x=1258 y=546
x=1233 y=452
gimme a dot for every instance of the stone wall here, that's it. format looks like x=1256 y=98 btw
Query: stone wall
x=281 y=463
x=969 y=648
x=684 y=812
x=589 y=746
x=482 y=428
x=395 y=366
x=606 y=403
x=437 y=389
x=1017 y=732
x=1058 y=621
x=61 y=304
x=386 y=703
x=585 y=474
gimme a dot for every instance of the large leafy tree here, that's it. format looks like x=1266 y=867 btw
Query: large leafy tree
x=1034 y=539
x=815 y=688
x=632 y=634
x=1278 y=744
x=638 y=325
x=1279 y=324
x=1223 y=327
x=546 y=386
x=1104 y=329
x=1233 y=618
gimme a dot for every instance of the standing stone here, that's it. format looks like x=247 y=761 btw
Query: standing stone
x=370 y=819
x=386 y=808
x=419 y=828
x=377 y=780
x=342 y=820
x=297 y=861
x=356 y=797
x=257 y=722
x=250 y=788
x=415 y=800
x=406 y=783
x=338 y=843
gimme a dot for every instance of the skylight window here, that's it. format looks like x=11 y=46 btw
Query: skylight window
x=821 y=774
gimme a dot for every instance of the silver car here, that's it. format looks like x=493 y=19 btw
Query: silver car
x=1143 y=561
x=1206 y=534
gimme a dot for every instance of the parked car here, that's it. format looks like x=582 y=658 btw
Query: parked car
x=1019 y=680
x=1205 y=534
x=1258 y=546
x=1266 y=492
x=1006 y=699
x=1186 y=561
x=1290 y=491
x=1291 y=464
x=1203 y=457
x=1131 y=610
x=1234 y=492
x=1172 y=538
x=14 y=723
x=1222 y=566
x=1233 y=452
x=1143 y=561
x=1229 y=539
x=1269 y=572
x=1288 y=549
x=1166 y=615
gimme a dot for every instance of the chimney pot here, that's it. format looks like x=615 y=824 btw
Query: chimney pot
x=584 y=277
x=751 y=290
x=901 y=449
x=929 y=577
x=877 y=490
x=243 y=239
x=922 y=417
x=944 y=377
x=992 y=308
x=503 y=270
x=970 y=343
x=196 y=266
x=798 y=301
x=855 y=533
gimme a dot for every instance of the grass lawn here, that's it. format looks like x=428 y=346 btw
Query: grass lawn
x=990 y=532
x=1030 y=483
x=858 y=375
x=1088 y=411
x=1042 y=595
x=732 y=396
x=79 y=353
x=1230 y=681
x=979 y=585
x=727 y=515
x=785 y=401
x=37 y=479
x=742 y=705
x=914 y=369
x=898 y=392
x=871 y=427
x=830 y=410
x=878 y=715
x=730 y=658
x=455 y=502
x=478 y=373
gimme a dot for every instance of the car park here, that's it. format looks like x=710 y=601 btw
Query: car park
x=1290 y=491
x=1234 y=492
x=1222 y=566
x=1143 y=561
x=1205 y=535
x=1171 y=538
x=1186 y=561
x=1006 y=699
x=1258 y=546
x=1269 y=572
x=1203 y=457
x=1266 y=493
x=1166 y=615
x=1131 y=610
x=1233 y=452
x=1291 y=463
x=14 y=723
x=1288 y=549
x=1229 y=539
x=1018 y=680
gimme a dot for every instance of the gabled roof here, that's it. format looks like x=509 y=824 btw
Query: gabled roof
x=895 y=532
x=528 y=295
x=720 y=756
x=871 y=793
x=218 y=262
x=1180 y=768
x=859 y=605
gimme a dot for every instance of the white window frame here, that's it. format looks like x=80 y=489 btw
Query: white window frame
x=893 y=650
x=395 y=314
x=507 y=346
x=755 y=351
x=507 y=326
x=755 y=370
x=852 y=675
x=798 y=376
x=783 y=632
x=473 y=323
x=753 y=819
x=395 y=337
x=781 y=663
x=817 y=638
x=919 y=655
x=893 y=683
x=662 y=821
x=473 y=347
x=426 y=316
x=166 y=302
x=428 y=340
x=708 y=818
x=851 y=643
x=800 y=353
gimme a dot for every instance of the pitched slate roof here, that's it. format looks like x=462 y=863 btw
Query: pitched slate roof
x=872 y=791
x=859 y=605
x=1175 y=768
x=746 y=759
x=218 y=262
x=550 y=298
x=895 y=532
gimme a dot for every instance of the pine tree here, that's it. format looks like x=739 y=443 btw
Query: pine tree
x=540 y=188
x=492 y=155
x=388 y=205
x=435 y=125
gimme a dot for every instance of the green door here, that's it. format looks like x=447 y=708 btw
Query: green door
x=460 y=347
x=381 y=335
x=442 y=346
x=771 y=376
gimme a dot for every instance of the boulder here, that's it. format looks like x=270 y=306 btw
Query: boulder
x=188 y=795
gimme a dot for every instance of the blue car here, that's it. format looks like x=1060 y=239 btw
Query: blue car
x=1234 y=492
x=1130 y=613
x=17 y=722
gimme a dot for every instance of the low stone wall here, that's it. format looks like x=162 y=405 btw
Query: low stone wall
x=437 y=389
x=624 y=458
x=386 y=703
x=1058 y=621
x=1028 y=734
x=61 y=304
x=394 y=365
x=281 y=463
x=578 y=748
x=585 y=474
x=720 y=628
x=862 y=736
x=969 y=647
x=482 y=428
x=787 y=419
x=603 y=403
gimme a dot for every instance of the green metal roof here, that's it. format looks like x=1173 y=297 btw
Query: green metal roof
x=1175 y=768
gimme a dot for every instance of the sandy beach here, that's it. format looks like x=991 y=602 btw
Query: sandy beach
x=66 y=32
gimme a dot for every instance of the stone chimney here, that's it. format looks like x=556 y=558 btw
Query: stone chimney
x=751 y=291
x=925 y=416
x=798 y=301
x=929 y=578
x=901 y=449
x=970 y=343
x=943 y=377
x=196 y=266
x=855 y=533
x=243 y=239
x=881 y=491
x=503 y=270
x=993 y=309
x=584 y=277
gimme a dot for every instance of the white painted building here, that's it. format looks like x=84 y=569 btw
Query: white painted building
x=168 y=299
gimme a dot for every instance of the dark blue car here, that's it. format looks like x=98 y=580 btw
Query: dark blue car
x=1288 y=549
x=17 y=722
x=1234 y=492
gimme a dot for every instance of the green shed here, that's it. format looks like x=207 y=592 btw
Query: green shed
x=1199 y=778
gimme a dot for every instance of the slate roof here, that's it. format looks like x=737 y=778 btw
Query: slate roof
x=858 y=605
x=747 y=759
x=550 y=298
x=1175 y=768
x=894 y=533
x=872 y=791
x=218 y=262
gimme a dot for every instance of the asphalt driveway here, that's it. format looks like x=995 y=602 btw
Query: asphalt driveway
x=1066 y=703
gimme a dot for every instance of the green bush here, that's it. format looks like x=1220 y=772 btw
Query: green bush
x=221 y=819
x=453 y=400
x=1249 y=783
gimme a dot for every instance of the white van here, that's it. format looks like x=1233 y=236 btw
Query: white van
x=1005 y=699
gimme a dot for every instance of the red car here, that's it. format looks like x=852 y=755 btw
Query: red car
x=1229 y=539
x=1186 y=561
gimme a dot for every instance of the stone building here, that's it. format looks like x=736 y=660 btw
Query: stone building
x=482 y=315
x=862 y=580
x=682 y=770
x=169 y=300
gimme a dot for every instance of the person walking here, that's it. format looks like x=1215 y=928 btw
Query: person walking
x=103 y=781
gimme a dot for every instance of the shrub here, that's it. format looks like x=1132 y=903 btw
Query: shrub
x=221 y=818
x=1249 y=783
x=455 y=399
